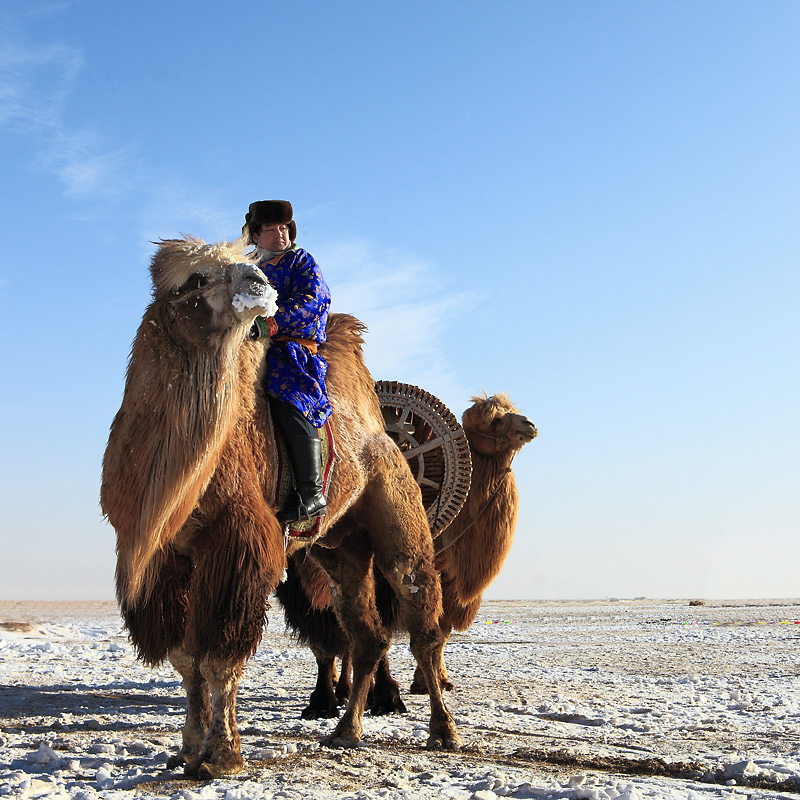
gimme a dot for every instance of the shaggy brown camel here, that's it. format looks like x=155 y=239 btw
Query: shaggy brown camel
x=199 y=550
x=471 y=551
x=470 y=554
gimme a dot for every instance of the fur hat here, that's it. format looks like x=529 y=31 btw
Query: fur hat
x=269 y=212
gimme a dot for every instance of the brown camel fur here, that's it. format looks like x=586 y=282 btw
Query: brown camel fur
x=470 y=554
x=188 y=466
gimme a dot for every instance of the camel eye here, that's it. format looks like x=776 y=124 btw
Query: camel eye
x=494 y=423
x=194 y=283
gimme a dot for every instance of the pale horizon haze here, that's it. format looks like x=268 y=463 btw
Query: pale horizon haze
x=593 y=207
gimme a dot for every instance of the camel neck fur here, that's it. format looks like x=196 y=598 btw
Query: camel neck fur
x=179 y=405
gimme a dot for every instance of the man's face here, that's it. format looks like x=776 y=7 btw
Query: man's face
x=273 y=237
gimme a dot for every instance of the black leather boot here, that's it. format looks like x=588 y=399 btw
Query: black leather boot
x=305 y=454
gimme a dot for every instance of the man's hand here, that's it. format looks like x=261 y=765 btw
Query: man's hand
x=263 y=328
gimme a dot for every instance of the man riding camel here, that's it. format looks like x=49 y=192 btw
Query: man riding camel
x=295 y=372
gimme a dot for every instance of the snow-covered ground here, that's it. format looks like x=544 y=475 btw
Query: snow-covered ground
x=626 y=699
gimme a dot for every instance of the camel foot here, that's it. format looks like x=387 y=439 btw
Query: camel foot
x=205 y=768
x=178 y=760
x=312 y=712
x=443 y=733
x=346 y=734
x=391 y=704
x=342 y=694
x=444 y=741
x=322 y=704
x=341 y=741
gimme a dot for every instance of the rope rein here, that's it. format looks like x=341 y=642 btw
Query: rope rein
x=500 y=482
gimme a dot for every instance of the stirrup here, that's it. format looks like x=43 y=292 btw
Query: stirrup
x=299 y=513
x=304 y=516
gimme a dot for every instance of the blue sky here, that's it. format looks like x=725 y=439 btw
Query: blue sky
x=591 y=206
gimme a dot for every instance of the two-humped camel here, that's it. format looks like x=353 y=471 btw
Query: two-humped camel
x=188 y=475
x=470 y=554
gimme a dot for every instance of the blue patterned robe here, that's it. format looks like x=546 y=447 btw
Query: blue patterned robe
x=294 y=373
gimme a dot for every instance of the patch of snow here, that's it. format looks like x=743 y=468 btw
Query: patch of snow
x=549 y=698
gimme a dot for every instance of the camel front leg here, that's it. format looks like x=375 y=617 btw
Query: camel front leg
x=198 y=707
x=221 y=749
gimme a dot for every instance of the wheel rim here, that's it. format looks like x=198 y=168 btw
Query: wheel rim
x=434 y=445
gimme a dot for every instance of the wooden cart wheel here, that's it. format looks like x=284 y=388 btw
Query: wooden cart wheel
x=435 y=446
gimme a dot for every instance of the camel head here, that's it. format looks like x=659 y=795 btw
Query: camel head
x=209 y=289
x=494 y=426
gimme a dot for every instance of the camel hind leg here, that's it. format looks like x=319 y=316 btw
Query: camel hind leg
x=385 y=696
x=427 y=643
x=349 y=568
x=344 y=686
x=323 y=701
x=456 y=615
x=303 y=594
x=403 y=550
